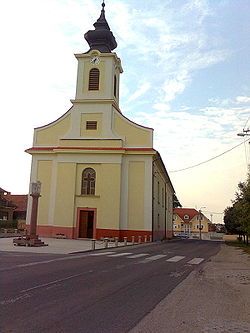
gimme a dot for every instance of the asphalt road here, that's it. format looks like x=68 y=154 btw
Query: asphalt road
x=106 y=291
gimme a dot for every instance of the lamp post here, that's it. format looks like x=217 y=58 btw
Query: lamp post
x=200 y=228
x=35 y=194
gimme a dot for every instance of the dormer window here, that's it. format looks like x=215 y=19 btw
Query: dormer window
x=94 y=77
x=186 y=217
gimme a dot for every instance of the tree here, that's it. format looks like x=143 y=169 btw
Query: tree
x=237 y=217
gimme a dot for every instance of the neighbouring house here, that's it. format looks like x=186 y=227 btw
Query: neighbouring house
x=100 y=174
x=6 y=206
x=189 y=221
x=13 y=207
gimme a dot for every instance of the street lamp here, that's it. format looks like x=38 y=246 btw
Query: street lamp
x=200 y=228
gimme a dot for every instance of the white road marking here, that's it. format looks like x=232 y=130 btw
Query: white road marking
x=49 y=261
x=120 y=254
x=54 y=282
x=156 y=257
x=175 y=259
x=195 y=261
x=102 y=253
x=134 y=256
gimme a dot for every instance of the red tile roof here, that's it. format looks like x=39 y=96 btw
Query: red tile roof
x=191 y=212
x=2 y=191
x=19 y=200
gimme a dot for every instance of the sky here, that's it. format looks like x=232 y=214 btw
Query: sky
x=186 y=74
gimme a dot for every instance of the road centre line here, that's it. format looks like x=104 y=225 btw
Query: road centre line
x=54 y=282
x=51 y=260
x=42 y=262
x=175 y=259
x=195 y=261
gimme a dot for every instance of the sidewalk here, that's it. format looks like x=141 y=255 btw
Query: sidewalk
x=55 y=246
x=215 y=298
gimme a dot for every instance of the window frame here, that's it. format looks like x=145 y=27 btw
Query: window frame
x=94 y=79
x=88 y=181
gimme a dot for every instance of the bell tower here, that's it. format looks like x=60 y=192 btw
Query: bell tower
x=99 y=69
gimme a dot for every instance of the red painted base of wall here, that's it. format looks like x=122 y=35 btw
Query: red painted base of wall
x=102 y=233
x=51 y=231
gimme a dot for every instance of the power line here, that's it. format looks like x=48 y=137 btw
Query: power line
x=211 y=212
x=211 y=159
x=246 y=123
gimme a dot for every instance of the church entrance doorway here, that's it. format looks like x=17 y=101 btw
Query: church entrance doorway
x=86 y=224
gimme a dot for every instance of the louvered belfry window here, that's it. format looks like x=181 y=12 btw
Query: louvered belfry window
x=88 y=181
x=94 y=76
x=91 y=125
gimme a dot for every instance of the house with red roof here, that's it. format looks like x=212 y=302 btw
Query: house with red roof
x=13 y=207
x=190 y=221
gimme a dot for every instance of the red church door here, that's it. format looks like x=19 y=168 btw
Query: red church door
x=86 y=224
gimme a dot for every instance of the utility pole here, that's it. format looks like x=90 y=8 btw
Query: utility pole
x=244 y=132
x=200 y=216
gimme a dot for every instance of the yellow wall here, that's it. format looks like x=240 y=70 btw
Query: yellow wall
x=50 y=135
x=44 y=170
x=110 y=196
x=134 y=136
x=136 y=179
x=65 y=194
x=159 y=196
x=91 y=143
x=107 y=194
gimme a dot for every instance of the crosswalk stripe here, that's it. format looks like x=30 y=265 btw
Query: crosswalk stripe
x=119 y=254
x=156 y=257
x=195 y=261
x=175 y=259
x=138 y=255
x=101 y=253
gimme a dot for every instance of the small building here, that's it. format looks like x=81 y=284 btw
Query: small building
x=13 y=207
x=188 y=221
x=100 y=174
x=6 y=206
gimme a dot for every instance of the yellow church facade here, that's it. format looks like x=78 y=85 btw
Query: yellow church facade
x=100 y=175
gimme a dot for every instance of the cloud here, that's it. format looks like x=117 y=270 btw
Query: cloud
x=243 y=99
x=143 y=88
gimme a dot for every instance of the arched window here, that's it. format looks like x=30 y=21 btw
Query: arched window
x=115 y=85
x=94 y=76
x=88 y=181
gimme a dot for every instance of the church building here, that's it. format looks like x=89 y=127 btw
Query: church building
x=100 y=175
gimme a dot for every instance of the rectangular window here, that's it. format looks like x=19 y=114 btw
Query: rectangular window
x=91 y=125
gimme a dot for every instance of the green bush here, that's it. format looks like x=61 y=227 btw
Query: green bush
x=8 y=224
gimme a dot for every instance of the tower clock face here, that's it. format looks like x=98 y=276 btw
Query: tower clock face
x=95 y=60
